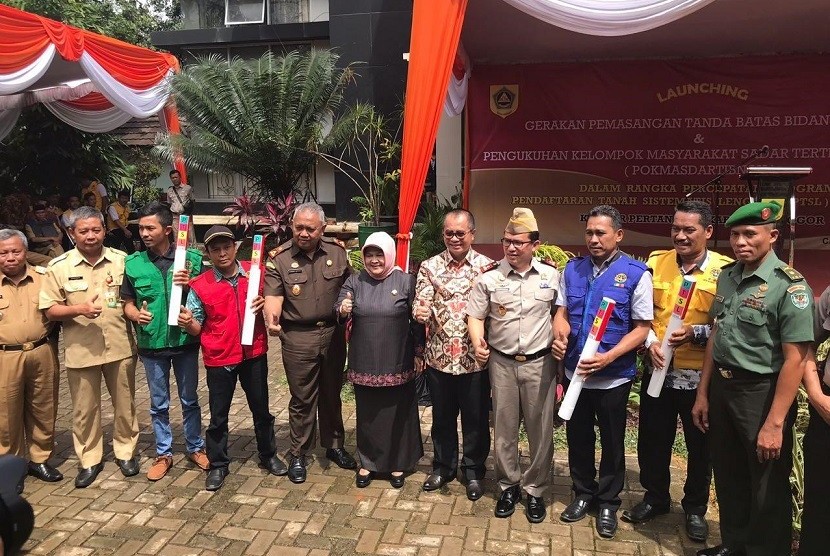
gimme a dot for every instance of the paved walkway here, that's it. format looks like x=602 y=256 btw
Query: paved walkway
x=256 y=514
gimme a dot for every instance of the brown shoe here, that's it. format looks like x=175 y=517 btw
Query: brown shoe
x=160 y=467
x=200 y=458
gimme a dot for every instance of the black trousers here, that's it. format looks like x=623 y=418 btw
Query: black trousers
x=754 y=498
x=815 y=521
x=608 y=409
x=658 y=428
x=253 y=375
x=469 y=395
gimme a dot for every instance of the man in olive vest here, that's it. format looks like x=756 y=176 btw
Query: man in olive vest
x=119 y=235
x=691 y=228
x=146 y=293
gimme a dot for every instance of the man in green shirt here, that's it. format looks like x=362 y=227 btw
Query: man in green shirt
x=755 y=358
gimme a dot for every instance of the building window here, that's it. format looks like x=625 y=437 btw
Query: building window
x=227 y=186
x=239 y=12
x=287 y=11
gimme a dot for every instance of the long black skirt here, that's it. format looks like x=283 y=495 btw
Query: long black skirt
x=388 y=429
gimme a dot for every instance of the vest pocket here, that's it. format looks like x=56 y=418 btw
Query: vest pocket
x=661 y=294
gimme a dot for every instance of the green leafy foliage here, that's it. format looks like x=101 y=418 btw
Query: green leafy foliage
x=264 y=118
x=559 y=256
x=427 y=239
x=365 y=147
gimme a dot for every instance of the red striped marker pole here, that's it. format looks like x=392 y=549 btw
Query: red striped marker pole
x=684 y=296
x=606 y=307
x=254 y=277
x=178 y=264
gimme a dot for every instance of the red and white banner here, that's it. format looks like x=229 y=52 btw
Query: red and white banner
x=641 y=135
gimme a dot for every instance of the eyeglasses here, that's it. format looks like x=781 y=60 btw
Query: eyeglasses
x=518 y=244
x=449 y=234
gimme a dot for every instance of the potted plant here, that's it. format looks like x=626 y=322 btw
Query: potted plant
x=270 y=218
x=368 y=153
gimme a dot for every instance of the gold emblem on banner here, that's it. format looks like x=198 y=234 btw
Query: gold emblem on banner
x=504 y=99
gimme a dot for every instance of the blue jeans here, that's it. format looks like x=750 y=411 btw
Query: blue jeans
x=186 y=368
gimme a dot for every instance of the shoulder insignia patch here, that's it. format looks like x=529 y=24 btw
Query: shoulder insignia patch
x=792 y=274
x=549 y=262
x=277 y=250
x=796 y=288
x=488 y=267
x=40 y=269
x=57 y=259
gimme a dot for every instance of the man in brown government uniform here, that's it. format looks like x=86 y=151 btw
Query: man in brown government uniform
x=82 y=289
x=302 y=282
x=29 y=377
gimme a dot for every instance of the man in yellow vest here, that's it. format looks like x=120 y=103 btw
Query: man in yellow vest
x=119 y=235
x=691 y=228
x=91 y=185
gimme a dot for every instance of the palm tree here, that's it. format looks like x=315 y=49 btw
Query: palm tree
x=264 y=119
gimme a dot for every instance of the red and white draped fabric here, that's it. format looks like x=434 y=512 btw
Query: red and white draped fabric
x=457 y=88
x=590 y=17
x=608 y=19
x=90 y=81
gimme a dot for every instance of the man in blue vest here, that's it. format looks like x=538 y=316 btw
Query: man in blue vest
x=606 y=272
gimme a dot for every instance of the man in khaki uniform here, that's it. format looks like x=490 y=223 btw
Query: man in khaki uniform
x=29 y=377
x=302 y=282
x=513 y=300
x=81 y=289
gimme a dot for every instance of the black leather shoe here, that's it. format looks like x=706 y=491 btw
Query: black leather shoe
x=696 y=527
x=719 y=550
x=397 y=481
x=474 y=489
x=535 y=509
x=296 y=469
x=341 y=458
x=45 y=472
x=128 y=467
x=274 y=465
x=436 y=481
x=575 y=511
x=216 y=478
x=87 y=475
x=362 y=481
x=507 y=501
x=607 y=523
x=643 y=512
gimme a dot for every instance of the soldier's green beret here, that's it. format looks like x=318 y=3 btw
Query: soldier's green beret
x=752 y=214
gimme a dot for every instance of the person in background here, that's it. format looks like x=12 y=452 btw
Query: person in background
x=513 y=302
x=43 y=231
x=73 y=202
x=215 y=312
x=815 y=519
x=457 y=382
x=81 y=290
x=28 y=359
x=90 y=200
x=605 y=272
x=382 y=363
x=91 y=185
x=146 y=294
x=690 y=230
x=755 y=359
x=118 y=219
x=302 y=282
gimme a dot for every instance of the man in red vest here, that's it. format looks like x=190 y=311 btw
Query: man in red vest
x=219 y=321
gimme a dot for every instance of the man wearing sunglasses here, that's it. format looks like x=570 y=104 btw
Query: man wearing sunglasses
x=514 y=301
x=457 y=382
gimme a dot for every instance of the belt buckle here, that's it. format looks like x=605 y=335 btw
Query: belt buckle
x=520 y=358
x=725 y=373
x=28 y=346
